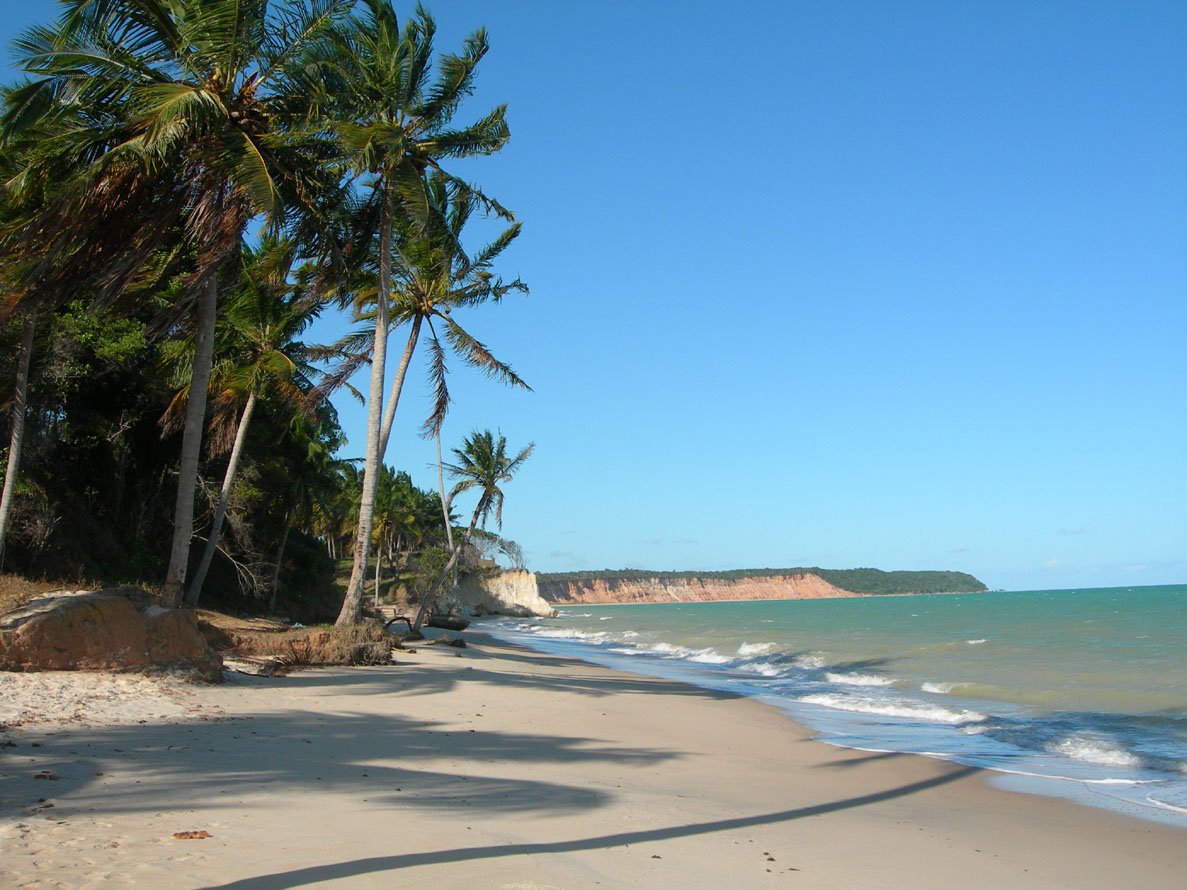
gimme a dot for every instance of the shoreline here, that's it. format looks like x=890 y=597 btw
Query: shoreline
x=827 y=723
x=507 y=767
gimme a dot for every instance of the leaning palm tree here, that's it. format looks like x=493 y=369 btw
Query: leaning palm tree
x=262 y=358
x=199 y=112
x=396 y=125
x=433 y=277
x=483 y=465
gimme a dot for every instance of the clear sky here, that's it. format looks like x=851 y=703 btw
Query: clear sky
x=840 y=284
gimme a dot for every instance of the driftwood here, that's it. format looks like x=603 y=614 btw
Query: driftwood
x=403 y=618
x=256 y=666
x=448 y=622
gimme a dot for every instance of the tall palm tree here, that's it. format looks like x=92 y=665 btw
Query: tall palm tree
x=432 y=277
x=195 y=98
x=262 y=358
x=396 y=124
x=17 y=435
x=482 y=464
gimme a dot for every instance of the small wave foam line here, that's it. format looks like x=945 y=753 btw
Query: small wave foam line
x=747 y=650
x=859 y=679
x=1162 y=804
x=1080 y=779
x=908 y=709
x=941 y=688
x=763 y=669
x=1090 y=750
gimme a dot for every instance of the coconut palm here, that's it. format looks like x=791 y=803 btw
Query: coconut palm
x=192 y=102
x=261 y=358
x=396 y=124
x=483 y=465
x=433 y=277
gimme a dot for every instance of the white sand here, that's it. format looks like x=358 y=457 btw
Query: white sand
x=92 y=698
x=507 y=769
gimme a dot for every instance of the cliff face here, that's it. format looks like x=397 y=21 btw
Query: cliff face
x=804 y=586
x=512 y=593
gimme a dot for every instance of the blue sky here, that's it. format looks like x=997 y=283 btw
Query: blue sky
x=847 y=284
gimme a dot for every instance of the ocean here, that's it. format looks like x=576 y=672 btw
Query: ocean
x=1077 y=693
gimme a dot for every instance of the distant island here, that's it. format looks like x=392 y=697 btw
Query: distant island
x=646 y=586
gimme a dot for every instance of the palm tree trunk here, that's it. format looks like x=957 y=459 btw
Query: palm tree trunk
x=441 y=491
x=191 y=445
x=224 y=499
x=389 y=414
x=378 y=564
x=431 y=598
x=17 y=442
x=274 y=585
x=353 y=602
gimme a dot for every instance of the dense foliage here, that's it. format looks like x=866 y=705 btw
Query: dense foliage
x=184 y=187
x=873 y=582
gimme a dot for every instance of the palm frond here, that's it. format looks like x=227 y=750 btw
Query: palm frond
x=475 y=354
x=439 y=385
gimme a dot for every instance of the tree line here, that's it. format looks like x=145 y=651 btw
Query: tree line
x=185 y=187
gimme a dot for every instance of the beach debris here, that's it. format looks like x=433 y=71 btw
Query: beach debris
x=46 y=774
x=191 y=835
x=255 y=665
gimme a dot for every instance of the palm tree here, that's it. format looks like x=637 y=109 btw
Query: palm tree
x=396 y=125
x=433 y=277
x=482 y=464
x=192 y=99
x=17 y=438
x=260 y=325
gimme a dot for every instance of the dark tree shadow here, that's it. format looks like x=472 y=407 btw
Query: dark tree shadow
x=367 y=755
x=301 y=877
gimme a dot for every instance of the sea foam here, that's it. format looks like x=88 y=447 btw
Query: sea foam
x=893 y=708
x=747 y=650
x=859 y=679
x=1088 y=749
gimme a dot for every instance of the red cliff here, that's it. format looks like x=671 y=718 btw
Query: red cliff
x=803 y=586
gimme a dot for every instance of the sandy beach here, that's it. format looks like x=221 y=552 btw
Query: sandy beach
x=496 y=767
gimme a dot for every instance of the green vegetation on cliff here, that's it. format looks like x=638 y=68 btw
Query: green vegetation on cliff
x=874 y=582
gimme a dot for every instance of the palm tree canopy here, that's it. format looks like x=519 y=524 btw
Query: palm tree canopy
x=432 y=276
x=191 y=106
x=483 y=463
x=257 y=349
x=394 y=118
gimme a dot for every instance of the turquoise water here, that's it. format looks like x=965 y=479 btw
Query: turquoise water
x=1074 y=692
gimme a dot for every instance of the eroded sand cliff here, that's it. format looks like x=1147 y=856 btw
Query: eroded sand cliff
x=801 y=586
